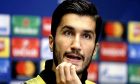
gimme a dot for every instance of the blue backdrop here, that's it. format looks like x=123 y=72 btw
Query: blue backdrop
x=122 y=10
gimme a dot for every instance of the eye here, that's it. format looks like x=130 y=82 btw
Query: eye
x=87 y=36
x=67 y=33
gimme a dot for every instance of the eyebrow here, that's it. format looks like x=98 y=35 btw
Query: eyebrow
x=88 y=31
x=67 y=27
x=72 y=28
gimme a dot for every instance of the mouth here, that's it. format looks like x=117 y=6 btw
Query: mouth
x=74 y=57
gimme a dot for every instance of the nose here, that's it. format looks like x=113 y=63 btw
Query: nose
x=76 y=44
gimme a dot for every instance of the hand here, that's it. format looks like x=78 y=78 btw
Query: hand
x=66 y=74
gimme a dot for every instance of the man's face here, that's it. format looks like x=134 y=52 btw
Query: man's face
x=75 y=40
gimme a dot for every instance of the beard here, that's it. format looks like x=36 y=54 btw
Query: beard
x=84 y=68
x=58 y=59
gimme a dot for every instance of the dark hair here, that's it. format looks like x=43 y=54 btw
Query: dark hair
x=80 y=7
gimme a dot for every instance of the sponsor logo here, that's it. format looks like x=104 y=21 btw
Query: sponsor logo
x=110 y=29
x=4 y=24
x=24 y=69
x=45 y=50
x=134 y=53
x=113 y=73
x=113 y=51
x=26 y=25
x=4 y=69
x=134 y=32
x=134 y=73
x=46 y=24
x=25 y=47
x=4 y=47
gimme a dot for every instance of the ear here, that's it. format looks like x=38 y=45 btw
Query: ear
x=95 y=50
x=51 y=42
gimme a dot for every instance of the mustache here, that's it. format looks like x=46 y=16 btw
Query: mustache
x=76 y=53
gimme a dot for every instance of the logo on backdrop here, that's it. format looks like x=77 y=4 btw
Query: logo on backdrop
x=4 y=24
x=25 y=47
x=110 y=28
x=134 y=53
x=4 y=47
x=112 y=73
x=134 y=73
x=113 y=51
x=46 y=26
x=26 y=25
x=4 y=69
x=45 y=50
x=24 y=69
x=134 y=32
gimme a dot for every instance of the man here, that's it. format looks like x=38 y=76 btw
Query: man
x=74 y=35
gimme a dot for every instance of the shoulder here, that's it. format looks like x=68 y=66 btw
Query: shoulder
x=36 y=80
x=89 y=82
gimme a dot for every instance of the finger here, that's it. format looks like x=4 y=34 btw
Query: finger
x=73 y=71
x=74 y=75
x=61 y=73
x=67 y=72
x=57 y=75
